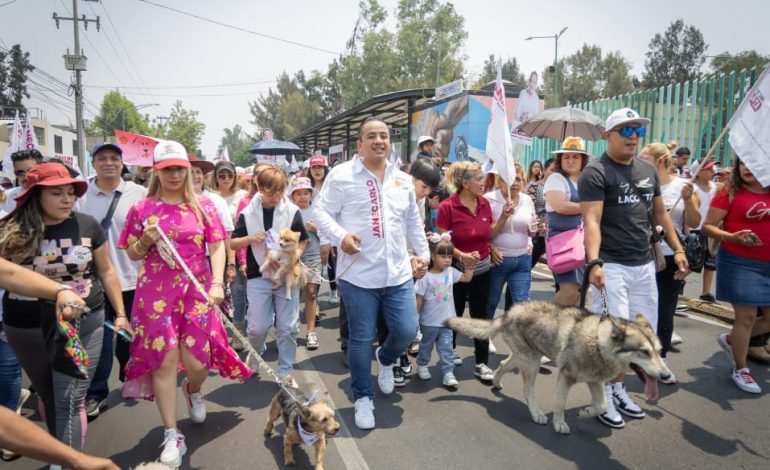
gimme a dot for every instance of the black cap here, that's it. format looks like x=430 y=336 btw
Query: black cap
x=99 y=147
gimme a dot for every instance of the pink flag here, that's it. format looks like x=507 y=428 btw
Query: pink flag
x=30 y=139
x=137 y=148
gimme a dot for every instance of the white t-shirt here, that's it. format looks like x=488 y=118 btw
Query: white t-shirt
x=513 y=239
x=222 y=208
x=670 y=193
x=705 y=200
x=526 y=107
x=233 y=200
x=436 y=289
x=557 y=182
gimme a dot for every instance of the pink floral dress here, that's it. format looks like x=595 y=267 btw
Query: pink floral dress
x=167 y=308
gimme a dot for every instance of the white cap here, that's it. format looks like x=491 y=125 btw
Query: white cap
x=624 y=116
x=169 y=153
x=423 y=139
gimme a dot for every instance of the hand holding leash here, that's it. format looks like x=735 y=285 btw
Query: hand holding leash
x=216 y=293
x=69 y=305
x=150 y=235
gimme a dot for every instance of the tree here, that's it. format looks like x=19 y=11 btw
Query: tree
x=182 y=126
x=118 y=112
x=510 y=71
x=726 y=62
x=676 y=56
x=290 y=108
x=14 y=67
x=237 y=142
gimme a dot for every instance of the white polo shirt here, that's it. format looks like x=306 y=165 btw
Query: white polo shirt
x=96 y=203
x=222 y=208
x=384 y=215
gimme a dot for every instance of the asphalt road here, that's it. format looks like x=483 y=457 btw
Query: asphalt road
x=703 y=422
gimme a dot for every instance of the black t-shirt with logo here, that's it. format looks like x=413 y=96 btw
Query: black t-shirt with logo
x=65 y=256
x=625 y=224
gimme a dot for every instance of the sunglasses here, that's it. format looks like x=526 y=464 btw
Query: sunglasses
x=225 y=175
x=628 y=131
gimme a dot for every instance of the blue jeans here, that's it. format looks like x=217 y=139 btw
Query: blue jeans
x=100 y=388
x=517 y=272
x=268 y=307
x=238 y=292
x=442 y=337
x=10 y=376
x=399 y=308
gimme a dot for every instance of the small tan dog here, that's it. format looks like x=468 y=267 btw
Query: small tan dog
x=290 y=272
x=305 y=422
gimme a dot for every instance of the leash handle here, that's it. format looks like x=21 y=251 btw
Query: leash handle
x=584 y=287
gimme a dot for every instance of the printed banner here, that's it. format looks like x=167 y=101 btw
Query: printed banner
x=749 y=130
x=137 y=148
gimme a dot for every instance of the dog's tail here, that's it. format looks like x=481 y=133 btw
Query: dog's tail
x=476 y=328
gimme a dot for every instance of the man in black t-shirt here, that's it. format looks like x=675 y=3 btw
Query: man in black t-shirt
x=619 y=194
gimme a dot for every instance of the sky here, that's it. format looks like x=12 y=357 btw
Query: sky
x=155 y=56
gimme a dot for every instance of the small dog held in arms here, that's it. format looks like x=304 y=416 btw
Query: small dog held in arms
x=289 y=273
x=586 y=347
x=307 y=421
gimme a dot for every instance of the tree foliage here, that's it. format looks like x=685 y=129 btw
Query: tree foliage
x=182 y=126
x=510 y=70
x=237 y=142
x=675 y=56
x=726 y=62
x=290 y=107
x=118 y=112
x=14 y=67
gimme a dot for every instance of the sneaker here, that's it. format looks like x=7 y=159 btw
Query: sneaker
x=671 y=380
x=24 y=395
x=745 y=381
x=457 y=360
x=364 y=413
x=483 y=372
x=611 y=417
x=236 y=344
x=722 y=340
x=708 y=298
x=675 y=338
x=286 y=379
x=334 y=299
x=398 y=377
x=94 y=407
x=196 y=405
x=423 y=372
x=384 y=375
x=681 y=309
x=8 y=456
x=624 y=403
x=405 y=364
x=492 y=348
x=414 y=348
x=450 y=380
x=312 y=340
x=174 y=448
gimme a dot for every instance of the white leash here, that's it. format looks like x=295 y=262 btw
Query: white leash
x=310 y=271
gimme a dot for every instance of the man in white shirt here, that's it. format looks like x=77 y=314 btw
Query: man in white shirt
x=368 y=209
x=108 y=200
x=22 y=160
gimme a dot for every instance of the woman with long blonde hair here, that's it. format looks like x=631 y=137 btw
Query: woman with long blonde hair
x=176 y=326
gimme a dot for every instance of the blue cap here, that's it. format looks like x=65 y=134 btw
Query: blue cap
x=99 y=147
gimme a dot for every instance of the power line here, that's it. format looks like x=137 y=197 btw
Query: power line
x=244 y=30
x=170 y=87
x=255 y=92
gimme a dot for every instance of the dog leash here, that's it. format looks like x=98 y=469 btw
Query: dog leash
x=166 y=245
x=309 y=271
x=584 y=288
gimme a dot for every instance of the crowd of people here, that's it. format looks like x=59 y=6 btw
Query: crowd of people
x=158 y=258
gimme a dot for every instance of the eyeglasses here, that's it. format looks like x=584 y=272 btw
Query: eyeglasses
x=225 y=175
x=627 y=131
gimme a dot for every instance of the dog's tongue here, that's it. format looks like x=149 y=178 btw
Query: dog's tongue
x=650 y=388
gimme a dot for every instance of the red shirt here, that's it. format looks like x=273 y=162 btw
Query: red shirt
x=747 y=211
x=470 y=232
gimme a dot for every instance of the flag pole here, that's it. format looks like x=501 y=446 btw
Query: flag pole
x=709 y=156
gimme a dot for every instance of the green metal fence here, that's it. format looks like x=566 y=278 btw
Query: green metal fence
x=691 y=113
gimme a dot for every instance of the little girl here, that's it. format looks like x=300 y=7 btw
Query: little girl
x=435 y=306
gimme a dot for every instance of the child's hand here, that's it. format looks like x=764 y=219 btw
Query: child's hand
x=311 y=226
x=258 y=237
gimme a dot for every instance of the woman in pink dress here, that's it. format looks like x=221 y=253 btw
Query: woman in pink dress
x=175 y=326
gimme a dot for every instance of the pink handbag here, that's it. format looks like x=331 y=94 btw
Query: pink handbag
x=565 y=251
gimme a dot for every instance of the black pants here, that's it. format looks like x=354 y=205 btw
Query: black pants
x=475 y=293
x=332 y=269
x=99 y=388
x=538 y=248
x=668 y=296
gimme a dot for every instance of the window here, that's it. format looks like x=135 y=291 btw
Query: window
x=58 y=144
x=40 y=134
x=75 y=150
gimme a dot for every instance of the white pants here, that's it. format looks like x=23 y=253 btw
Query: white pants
x=630 y=290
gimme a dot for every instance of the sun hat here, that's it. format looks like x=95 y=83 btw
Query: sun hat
x=99 y=147
x=624 y=116
x=709 y=166
x=424 y=138
x=205 y=165
x=317 y=160
x=169 y=153
x=572 y=145
x=46 y=175
x=301 y=182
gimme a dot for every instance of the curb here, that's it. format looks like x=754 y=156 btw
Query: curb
x=717 y=311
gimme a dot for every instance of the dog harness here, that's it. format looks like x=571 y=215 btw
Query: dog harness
x=308 y=438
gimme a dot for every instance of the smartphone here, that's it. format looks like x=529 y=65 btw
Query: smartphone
x=753 y=238
x=121 y=332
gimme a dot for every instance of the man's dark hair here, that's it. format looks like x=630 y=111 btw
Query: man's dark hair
x=368 y=120
x=682 y=151
x=425 y=171
x=22 y=155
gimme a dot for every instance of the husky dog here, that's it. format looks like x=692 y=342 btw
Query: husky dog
x=290 y=272
x=306 y=421
x=586 y=347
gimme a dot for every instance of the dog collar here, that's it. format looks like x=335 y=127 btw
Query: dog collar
x=308 y=438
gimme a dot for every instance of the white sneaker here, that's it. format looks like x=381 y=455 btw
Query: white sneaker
x=492 y=348
x=450 y=380
x=196 y=405
x=24 y=395
x=457 y=360
x=722 y=340
x=745 y=381
x=624 y=403
x=334 y=297
x=312 y=340
x=675 y=338
x=364 y=413
x=483 y=372
x=611 y=417
x=385 y=375
x=423 y=372
x=174 y=448
x=286 y=379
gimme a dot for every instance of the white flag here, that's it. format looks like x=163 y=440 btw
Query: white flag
x=224 y=155
x=749 y=130
x=294 y=166
x=499 y=148
x=15 y=144
x=30 y=139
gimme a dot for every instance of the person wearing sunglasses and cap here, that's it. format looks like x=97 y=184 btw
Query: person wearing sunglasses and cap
x=619 y=196
x=45 y=234
x=225 y=183
x=175 y=324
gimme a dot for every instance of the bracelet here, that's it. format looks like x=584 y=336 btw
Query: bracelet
x=230 y=265
x=121 y=316
x=217 y=283
x=139 y=249
x=62 y=287
x=679 y=251
x=143 y=245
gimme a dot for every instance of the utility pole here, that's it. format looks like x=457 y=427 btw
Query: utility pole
x=77 y=62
